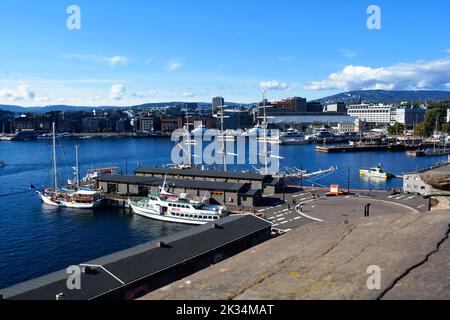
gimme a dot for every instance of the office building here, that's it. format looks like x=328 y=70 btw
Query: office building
x=379 y=114
x=410 y=116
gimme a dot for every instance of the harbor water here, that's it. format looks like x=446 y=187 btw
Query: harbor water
x=36 y=240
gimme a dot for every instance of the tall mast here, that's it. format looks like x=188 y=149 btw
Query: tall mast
x=55 y=177
x=188 y=138
x=264 y=127
x=224 y=155
x=78 y=166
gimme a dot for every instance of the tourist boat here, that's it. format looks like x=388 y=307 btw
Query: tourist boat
x=377 y=172
x=58 y=197
x=81 y=199
x=165 y=206
x=2 y=164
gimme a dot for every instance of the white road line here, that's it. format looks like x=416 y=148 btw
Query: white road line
x=281 y=219
x=287 y=230
x=285 y=210
x=276 y=224
x=309 y=217
x=284 y=222
x=296 y=218
x=390 y=197
x=421 y=206
x=280 y=215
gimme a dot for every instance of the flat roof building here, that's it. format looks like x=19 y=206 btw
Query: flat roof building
x=267 y=183
x=132 y=273
x=226 y=193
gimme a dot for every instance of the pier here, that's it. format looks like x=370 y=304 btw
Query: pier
x=371 y=147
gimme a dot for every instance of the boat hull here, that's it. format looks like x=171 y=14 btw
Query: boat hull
x=57 y=203
x=152 y=214
x=367 y=174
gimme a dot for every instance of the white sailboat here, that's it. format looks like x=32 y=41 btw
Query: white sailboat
x=77 y=199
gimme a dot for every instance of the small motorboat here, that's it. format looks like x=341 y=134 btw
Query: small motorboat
x=377 y=172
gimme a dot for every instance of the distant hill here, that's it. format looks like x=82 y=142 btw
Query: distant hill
x=19 y=109
x=375 y=96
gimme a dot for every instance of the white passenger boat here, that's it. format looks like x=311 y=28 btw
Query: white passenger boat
x=168 y=207
x=377 y=172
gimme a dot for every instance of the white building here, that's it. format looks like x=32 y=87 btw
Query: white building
x=448 y=115
x=374 y=114
x=349 y=127
x=410 y=116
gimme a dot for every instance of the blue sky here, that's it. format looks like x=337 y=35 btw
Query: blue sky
x=137 y=51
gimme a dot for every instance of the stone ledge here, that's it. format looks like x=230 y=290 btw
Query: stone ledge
x=329 y=261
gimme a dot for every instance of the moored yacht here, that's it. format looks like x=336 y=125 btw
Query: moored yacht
x=168 y=207
x=58 y=197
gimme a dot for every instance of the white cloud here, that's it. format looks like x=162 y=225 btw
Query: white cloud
x=22 y=92
x=149 y=61
x=447 y=51
x=112 y=61
x=275 y=85
x=116 y=60
x=188 y=95
x=420 y=75
x=349 y=53
x=117 y=92
x=174 y=64
x=144 y=94
x=43 y=99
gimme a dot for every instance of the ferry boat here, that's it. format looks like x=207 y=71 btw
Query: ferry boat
x=377 y=172
x=58 y=197
x=165 y=206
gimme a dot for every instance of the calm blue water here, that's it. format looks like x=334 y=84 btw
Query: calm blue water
x=36 y=240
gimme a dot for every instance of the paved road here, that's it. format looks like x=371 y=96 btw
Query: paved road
x=281 y=209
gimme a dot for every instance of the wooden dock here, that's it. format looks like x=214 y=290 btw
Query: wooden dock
x=371 y=147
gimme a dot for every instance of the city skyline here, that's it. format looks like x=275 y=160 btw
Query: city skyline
x=181 y=51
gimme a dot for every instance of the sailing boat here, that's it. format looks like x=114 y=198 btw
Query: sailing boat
x=77 y=199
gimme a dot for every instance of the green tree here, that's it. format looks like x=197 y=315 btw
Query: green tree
x=397 y=128
x=423 y=129
x=446 y=128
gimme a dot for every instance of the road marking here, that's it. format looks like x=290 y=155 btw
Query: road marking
x=285 y=210
x=309 y=217
x=390 y=197
x=284 y=222
x=421 y=206
x=297 y=218
x=276 y=224
x=281 y=219
x=280 y=215
x=287 y=230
